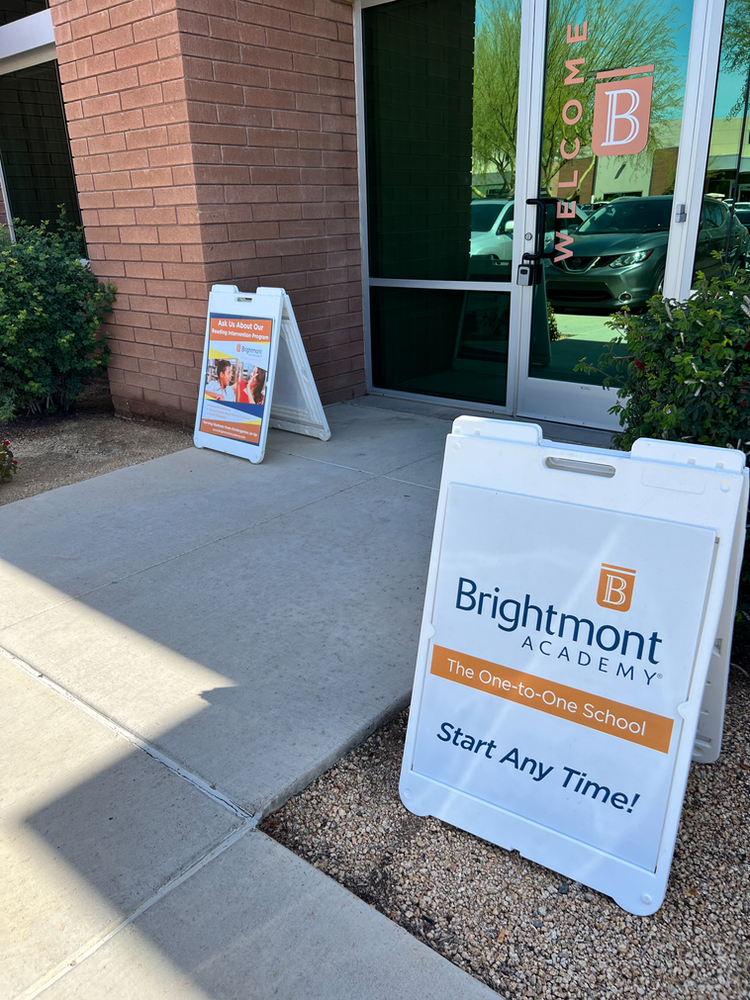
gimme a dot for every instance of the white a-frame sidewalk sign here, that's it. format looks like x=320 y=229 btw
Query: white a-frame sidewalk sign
x=575 y=647
x=255 y=374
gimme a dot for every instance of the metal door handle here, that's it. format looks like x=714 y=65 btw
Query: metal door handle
x=541 y=218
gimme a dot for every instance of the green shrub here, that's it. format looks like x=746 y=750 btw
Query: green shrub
x=51 y=308
x=682 y=372
x=685 y=371
x=8 y=464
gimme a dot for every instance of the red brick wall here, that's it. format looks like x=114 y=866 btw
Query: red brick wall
x=214 y=141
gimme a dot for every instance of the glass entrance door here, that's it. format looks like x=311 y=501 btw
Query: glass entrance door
x=441 y=298
x=615 y=74
x=527 y=167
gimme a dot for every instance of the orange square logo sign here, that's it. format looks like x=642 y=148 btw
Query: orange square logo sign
x=542 y=720
x=615 y=587
x=622 y=112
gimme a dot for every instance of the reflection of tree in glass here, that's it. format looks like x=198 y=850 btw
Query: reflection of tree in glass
x=621 y=33
x=735 y=42
x=496 y=65
x=735 y=47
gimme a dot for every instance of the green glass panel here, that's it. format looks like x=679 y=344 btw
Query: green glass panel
x=441 y=343
x=34 y=146
x=441 y=94
x=418 y=94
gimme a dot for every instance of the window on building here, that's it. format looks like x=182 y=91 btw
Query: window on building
x=13 y=10
x=34 y=146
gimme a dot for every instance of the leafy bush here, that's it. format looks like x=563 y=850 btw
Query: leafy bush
x=8 y=464
x=685 y=376
x=685 y=372
x=51 y=308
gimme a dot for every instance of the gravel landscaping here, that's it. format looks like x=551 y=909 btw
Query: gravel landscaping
x=519 y=928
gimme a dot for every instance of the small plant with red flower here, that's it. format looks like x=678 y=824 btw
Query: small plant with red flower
x=8 y=464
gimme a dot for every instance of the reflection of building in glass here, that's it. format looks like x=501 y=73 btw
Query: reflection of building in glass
x=722 y=159
x=652 y=172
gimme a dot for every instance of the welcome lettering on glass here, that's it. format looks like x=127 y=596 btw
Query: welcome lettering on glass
x=622 y=114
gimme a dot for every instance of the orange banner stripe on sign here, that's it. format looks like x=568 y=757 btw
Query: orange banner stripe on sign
x=624 y=721
x=239 y=337
x=226 y=428
x=241 y=328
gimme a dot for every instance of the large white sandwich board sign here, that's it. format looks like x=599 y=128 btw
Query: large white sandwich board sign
x=255 y=374
x=579 y=605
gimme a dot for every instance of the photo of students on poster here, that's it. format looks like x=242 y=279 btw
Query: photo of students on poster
x=236 y=376
x=251 y=385
x=221 y=382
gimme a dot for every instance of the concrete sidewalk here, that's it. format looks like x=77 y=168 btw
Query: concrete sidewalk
x=186 y=643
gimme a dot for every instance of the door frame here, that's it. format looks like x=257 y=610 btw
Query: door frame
x=543 y=399
x=369 y=282
x=587 y=405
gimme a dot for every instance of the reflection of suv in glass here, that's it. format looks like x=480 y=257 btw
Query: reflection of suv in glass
x=618 y=255
x=492 y=227
x=489 y=218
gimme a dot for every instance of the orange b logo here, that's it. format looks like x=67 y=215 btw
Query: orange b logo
x=622 y=112
x=615 y=587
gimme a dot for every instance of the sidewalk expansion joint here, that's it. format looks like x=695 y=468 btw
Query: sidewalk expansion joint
x=89 y=949
x=326 y=461
x=109 y=723
x=247 y=823
x=391 y=475
x=410 y=482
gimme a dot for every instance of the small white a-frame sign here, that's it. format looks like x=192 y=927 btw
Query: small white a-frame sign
x=255 y=374
x=574 y=648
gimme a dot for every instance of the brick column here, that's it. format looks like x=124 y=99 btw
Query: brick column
x=124 y=92
x=214 y=141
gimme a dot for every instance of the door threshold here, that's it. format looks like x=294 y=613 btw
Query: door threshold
x=552 y=430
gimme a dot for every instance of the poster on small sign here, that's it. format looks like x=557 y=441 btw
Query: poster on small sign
x=234 y=382
x=255 y=375
x=556 y=673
